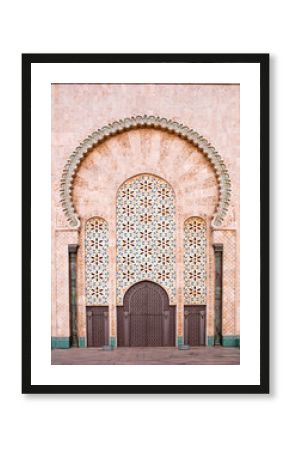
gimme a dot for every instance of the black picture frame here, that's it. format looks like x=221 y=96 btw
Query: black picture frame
x=263 y=61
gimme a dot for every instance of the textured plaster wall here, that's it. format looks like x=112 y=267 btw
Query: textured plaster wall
x=212 y=110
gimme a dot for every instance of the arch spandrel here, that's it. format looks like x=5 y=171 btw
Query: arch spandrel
x=153 y=122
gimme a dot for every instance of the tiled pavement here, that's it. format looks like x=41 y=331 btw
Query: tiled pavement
x=146 y=355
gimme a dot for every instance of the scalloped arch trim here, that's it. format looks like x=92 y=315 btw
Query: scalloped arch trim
x=145 y=121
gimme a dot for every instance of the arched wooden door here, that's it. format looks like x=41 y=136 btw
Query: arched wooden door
x=146 y=319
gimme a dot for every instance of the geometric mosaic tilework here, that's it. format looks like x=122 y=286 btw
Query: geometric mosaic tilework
x=195 y=261
x=97 y=262
x=146 y=235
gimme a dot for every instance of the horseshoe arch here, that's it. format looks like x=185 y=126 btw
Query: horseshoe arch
x=155 y=122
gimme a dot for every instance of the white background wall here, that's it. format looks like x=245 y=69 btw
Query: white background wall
x=233 y=421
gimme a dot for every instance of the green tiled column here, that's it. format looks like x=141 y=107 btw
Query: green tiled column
x=218 y=252
x=72 y=249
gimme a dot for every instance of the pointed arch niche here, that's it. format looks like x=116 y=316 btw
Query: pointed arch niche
x=146 y=234
x=96 y=262
x=195 y=261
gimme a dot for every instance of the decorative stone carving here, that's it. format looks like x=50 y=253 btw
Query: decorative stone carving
x=145 y=121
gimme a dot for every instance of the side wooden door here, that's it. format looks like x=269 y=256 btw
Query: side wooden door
x=97 y=326
x=194 y=325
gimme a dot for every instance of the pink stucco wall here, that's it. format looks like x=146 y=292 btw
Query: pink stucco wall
x=212 y=110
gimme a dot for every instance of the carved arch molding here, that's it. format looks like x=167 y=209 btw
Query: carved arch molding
x=145 y=121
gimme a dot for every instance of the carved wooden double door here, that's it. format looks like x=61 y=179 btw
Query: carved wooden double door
x=146 y=319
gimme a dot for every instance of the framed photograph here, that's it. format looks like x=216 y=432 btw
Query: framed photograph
x=145 y=245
